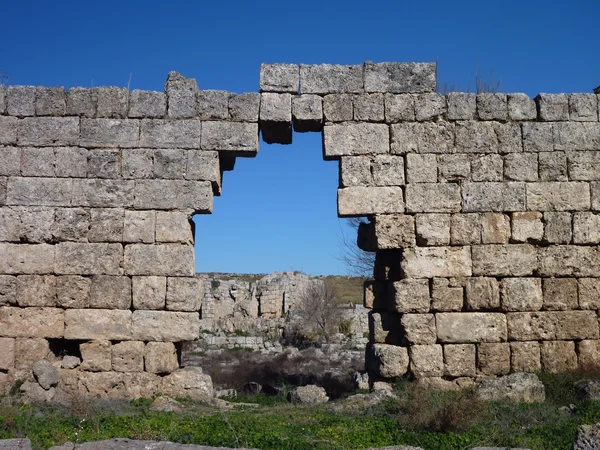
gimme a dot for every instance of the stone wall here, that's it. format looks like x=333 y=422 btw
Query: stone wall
x=481 y=206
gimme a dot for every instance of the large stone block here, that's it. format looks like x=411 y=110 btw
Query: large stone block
x=527 y=226
x=495 y=228
x=558 y=196
x=568 y=261
x=36 y=224
x=411 y=296
x=576 y=136
x=100 y=193
x=71 y=224
x=355 y=171
x=424 y=262
x=419 y=328
x=8 y=130
x=521 y=107
x=204 y=165
x=161 y=259
x=160 y=357
x=170 y=163
x=181 y=95
x=157 y=133
x=7 y=353
x=73 y=291
x=137 y=163
x=525 y=356
x=113 y=102
x=96 y=356
x=244 y=107
x=492 y=106
x=521 y=294
x=560 y=294
x=548 y=325
x=338 y=108
x=147 y=104
x=426 y=360
x=212 y=105
x=433 y=197
x=553 y=107
x=307 y=113
x=110 y=292
x=465 y=229
x=30 y=351
x=504 y=260
x=349 y=139
x=110 y=133
x=32 y=322
x=446 y=295
x=421 y=168
x=26 y=259
x=465 y=328
x=74 y=258
x=173 y=194
x=10 y=225
x=330 y=78
x=476 y=137
x=362 y=201
x=493 y=359
x=238 y=137
x=388 y=170
x=38 y=191
x=394 y=231
x=187 y=382
x=588 y=354
x=36 y=290
x=368 y=107
x=139 y=226
x=583 y=107
x=184 y=294
x=479 y=197
x=589 y=293
x=8 y=290
x=459 y=360
x=128 y=356
x=521 y=167
x=461 y=106
x=384 y=328
x=10 y=164
x=430 y=106
x=586 y=228
x=482 y=293
x=557 y=227
x=558 y=356
x=82 y=102
x=165 y=326
x=106 y=225
x=173 y=226
x=552 y=166
x=149 y=292
x=37 y=162
x=279 y=78
x=454 y=167
x=400 y=77
x=20 y=100
x=101 y=324
x=399 y=108
x=584 y=166
x=426 y=137
x=387 y=361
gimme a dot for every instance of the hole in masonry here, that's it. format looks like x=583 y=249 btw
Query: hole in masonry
x=65 y=347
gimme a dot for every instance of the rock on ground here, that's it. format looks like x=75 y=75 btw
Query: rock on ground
x=45 y=374
x=309 y=394
x=588 y=389
x=15 y=444
x=128 y=444
x=516 y=387
x=588 y=438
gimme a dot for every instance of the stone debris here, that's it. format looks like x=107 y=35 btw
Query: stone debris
x=309 y=394
x=517 y=388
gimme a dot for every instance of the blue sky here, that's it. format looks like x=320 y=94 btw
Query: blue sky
x=278 y=210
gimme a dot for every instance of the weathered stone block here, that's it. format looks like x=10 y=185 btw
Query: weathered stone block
x=588 y=354
x=394 y=231
x=275 y=118
x=26 y=259
x=589 y=293
x=538 y=137
x=170 y=163
x=82 y=102
x=8 y=130
x=10 y=164
x=504 y=260
x=493 y=196
x=433 y=197
x=181 y=95
x=20 y=100
x=419 y=328
x=584 y=165
x=73 y=291
x=37 y=162
x=426 y=360
x=558 y=356
x=204 y=165
x=165 y=326
x=113 y=102
x=355 y=171
x=70 y=162
x=36 y=290
x=149 y=292
x=510 y=139
x=476 y=137
x=307 y=113
x=2 y=100
x=387 y=361
x=163 y=259
x=184 y=294
x=128 y=356
x=547 y=325
x=38 y=191
x=482 y=294
x=8 y=290
x=137 y=163
x=465 y=229
x=173 y=226
x=110 y=292
x=160 y=357
x=212 y=105
x=388 y=170
x=568 y=261
x=424 y=262
x=487 y=168
x=103 y=324
x=577 y=136
x=139 y=226
x=368 y=107
x=338 y=108
x=464 y=328
x=355 y=139
x=445 y=296
x=459 y=360
x=7 y=353
x=279 y=78
x=73 y=258
x=36 y=224
x=553 y=107
x=96 y=356
x=244 y=107
x=557 y=227
x=583 y=107
x=10 y=224
x=112 y=133
x=426 y=137
x=32 y=322
x=399 y=108
x=521 y=294
x=553 y=166
x=30 y=351
x=421 y=168
x=493 y=359
x=384 y=328
x=586 y=228
x=461 y=106
x=411 y=296
x=238 y=137
x=106 y=225
x=362 y=201
x=329 y=78
x=495 y=228
x=521 y=107
x=173 y=194
x=430 y=106
x=400 y=77
x=158 y=133
x=560 y=294
x=189 y=382
x=527 y=226
x=492 y=106
x=454 y=167
x=50 y=101
x=433 y=229
x=558 y=196
x=521 y=166
x=525 y=357
x=71 y=224
x=147 y=104
x=48 y=131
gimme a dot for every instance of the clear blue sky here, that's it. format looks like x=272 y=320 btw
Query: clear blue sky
x=278 y=211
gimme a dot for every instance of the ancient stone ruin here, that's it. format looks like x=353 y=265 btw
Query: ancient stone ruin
x=482 y=212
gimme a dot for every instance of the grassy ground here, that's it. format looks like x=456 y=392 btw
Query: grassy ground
x=434 y=421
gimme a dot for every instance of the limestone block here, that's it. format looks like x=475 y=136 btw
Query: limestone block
x=338 y=108
x=103 y=324
x=137 y=163
x=160 y=358
x=96 y=356
x=361 y=201
x=7 y=353
x=165 y=326
x=26 y=259
x=30 y=351
x=567 y=260
x=70 y=224
x=584 y=165
x=187 y=382
x=547 y=325
x=355 y=139
x=36 y=224
x=521 y=107
x=184 y=294
x=454 y=167
x=510 y=139
x=553 y=107
x=111 y=133
x=238 y=137
x=553 y=166
x=158 y=133
x=504 y=260
x=8 y=130
x=421 y=168
x=10 y=224
x=400 y=77
x=128 y=356
x=433 y=229
x=487 y=167
x=275 y=118
x=113 y=102
x=419 y=328
x=492 y=106
x=103 y=193
x=388 y=170
x=425 y=137
x=493 y=359
x=37 y=162
x=476 y=137
x=38 y=191
x=173 y=194
x=583 y=107
x=521 y=166
x=433 y=197
x=465 y=229
x=244 y=107
x=36 y=290
x=170 y=163
x=163 y=259
x=181 y=95
x=482 y=293
x=74 y=258
x=204 y=165
x=20 y=100
x=576 y=136
x=589 y=293
x=279 y=78
x=521 y=294
x=173 y=226
x=307 y=113
x=139 y=226
x=384 y=328
x=560 y=294
x=10 y=164
x=527 y=226
x=446 y=296
x=2 y=100
x=355 y=171
x=588 y=353
x=459 y=360
x=81 y=102
x=466 y=328
x=394 y=231
x=411 y=296
x=586 y=228
x=147 y=104
x=558 y=356
x=491 y=196
x=538 y=137
x=8 y=290
x=109 y=292
x=461 y=106
x=525 y=357
x=212 y=105
x=495 y=228
x=399 y=108
x=73 y=291
x=430 y=106
x=106 y=225
x=3 y=183
x=70 y=162
x=558 y=196
x=557 y=228
x=149 y=292
x=103 y=385
x=424 y=262
x=32 y=322
x=426 y=360
x=387 y=361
